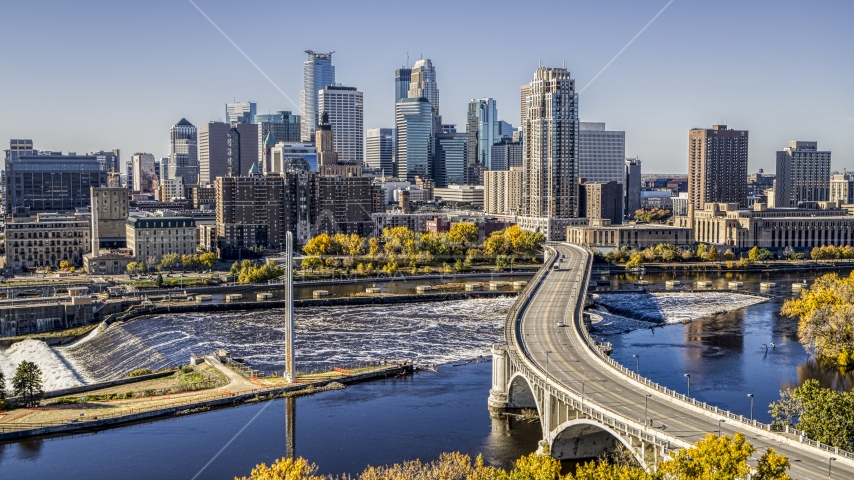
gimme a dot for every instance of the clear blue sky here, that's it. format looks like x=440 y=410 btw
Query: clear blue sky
x=93 y=75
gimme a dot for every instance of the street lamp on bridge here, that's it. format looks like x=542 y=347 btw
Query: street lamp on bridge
x=646 y=408
x=547 y=362
x=831 y=459
x=637 y=364
x=751 y=405
x=688 y=376
x=719 y=426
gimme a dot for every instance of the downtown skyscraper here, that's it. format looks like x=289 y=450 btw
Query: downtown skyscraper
x=550 y=145
x=318 y=73
x=482 y=127
x=417 y=121
x=183 y=153
x=240 y=112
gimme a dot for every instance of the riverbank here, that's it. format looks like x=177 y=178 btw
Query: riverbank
x=94 y=416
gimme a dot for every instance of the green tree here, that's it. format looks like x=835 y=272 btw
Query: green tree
x=27 y=383
x=159 y=280
x=133 y=267
x=757 y=254
x=2 y=386
x=312 y=263
x=501 y=262
x=825 y=415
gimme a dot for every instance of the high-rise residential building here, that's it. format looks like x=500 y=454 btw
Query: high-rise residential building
x=240 y=112
x=601 y=200
x=379 y=150
x=524 y=92
x=283 y=125
x=506 y=154
x=343 y=105
x=632 y=186
x=414 y=122
x=45 y=181
x=803 y=174
x=226 y=149
x=483 y=131
x=402 y=79
x=842 y=189
x=183 y=153
x=450 y=159
x=318 y=73
x=550 y=146
x=143 y=172
x=717 y=166
x=503 y=191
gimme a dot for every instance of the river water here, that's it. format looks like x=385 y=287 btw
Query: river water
x=400 y=419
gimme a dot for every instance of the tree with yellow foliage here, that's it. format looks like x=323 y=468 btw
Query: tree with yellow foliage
x=826 y=313
x=285 y=469
x=318 y=245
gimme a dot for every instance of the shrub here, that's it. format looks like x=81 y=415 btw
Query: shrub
x=139 y=372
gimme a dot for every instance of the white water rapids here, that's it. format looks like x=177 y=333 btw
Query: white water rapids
x=424 y=333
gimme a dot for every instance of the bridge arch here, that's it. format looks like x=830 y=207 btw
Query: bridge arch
x=520 y=393
x=584 y=438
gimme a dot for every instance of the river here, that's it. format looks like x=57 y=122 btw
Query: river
x=395 y=420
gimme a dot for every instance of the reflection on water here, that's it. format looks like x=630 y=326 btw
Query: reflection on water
x=343 y=431
x=750 y=350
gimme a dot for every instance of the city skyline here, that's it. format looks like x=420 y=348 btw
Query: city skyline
x=652 y=91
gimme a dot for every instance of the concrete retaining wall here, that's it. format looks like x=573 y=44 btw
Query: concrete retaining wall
x=220 y=402
x=98 y=386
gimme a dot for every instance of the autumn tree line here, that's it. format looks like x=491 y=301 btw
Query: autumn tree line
x=173 y=260
x=402 y=249
x=664 y=252
x=712 y=458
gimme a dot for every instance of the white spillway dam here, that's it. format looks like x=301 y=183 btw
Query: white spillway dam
x=425 y=333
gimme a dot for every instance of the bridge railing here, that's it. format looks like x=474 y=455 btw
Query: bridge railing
x=535 y=373
x=600 y=349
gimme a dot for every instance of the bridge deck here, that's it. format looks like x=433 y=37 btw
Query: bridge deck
x=571 y=364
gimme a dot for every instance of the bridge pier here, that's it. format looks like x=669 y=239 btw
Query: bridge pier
x=498 y=400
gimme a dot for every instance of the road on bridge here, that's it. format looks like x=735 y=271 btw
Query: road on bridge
x=559 y=350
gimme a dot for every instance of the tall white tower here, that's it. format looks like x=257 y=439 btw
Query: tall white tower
x=550 y=145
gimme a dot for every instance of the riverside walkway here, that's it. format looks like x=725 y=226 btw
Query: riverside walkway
x=588 y=403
